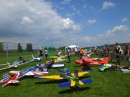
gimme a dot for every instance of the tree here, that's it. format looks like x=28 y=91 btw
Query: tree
x=1 y=47
x=29 y=47
x=19 y=48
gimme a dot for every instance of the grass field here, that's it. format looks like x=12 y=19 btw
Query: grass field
x=105 y=84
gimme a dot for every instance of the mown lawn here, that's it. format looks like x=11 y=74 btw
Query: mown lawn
x=105 y=84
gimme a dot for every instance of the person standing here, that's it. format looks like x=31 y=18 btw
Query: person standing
x=68 y=54
x=81 y=53
x=117 y=48
x=76 y=51
x=46 y=53
x=128 y=52
x=40 y=53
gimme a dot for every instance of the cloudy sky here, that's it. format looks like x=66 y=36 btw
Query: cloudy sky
x=65 y=22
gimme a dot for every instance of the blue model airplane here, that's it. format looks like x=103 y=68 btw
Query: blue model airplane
x=73 y=79
x=50 y=64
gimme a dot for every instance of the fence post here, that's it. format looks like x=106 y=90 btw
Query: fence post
x=7 y=52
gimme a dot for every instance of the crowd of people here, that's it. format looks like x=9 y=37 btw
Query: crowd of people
x=79 y=51
x=105 y=49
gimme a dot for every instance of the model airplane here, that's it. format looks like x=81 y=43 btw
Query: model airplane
x=36 y=59
x=32 y=71
x=14 y=65
x=20 y=74
x=87 y=61
x=107 y=67
x=58 y=55
x=73 y=79
x=8 y=80
x=50 y=64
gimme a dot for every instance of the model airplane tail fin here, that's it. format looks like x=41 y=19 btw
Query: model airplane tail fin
x=15 y=63
x=32 y=56
x=68 y=73
x=104 y=61
x=5 y=77
x=76 y=74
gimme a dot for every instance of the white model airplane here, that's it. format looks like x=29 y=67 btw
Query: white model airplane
x=36 y=59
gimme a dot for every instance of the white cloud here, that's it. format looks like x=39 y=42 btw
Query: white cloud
x=26 y=20
x=91 y=21
x=124 y=19
x=67 y=24
x=108 y=4
x=34 y=21
x=117 y=29
x=65 y=1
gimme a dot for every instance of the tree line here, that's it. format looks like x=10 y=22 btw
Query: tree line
x=19 y=48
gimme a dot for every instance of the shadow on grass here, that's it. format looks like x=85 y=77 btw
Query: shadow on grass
x=73 y=89
x=83 y=77
x=14 y=85
x=51 y=81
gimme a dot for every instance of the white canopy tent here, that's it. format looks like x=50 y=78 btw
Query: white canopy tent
x=72 y=46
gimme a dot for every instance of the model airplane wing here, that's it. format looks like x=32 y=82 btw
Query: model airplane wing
x=50 y=77
x=58 y=65
x=13 y=81
x=80 y=74
x=39 y=73
x=14 y=72
x=72 y=83
x=85 y=81
x=65 y=84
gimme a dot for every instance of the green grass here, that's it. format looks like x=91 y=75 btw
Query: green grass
x=105 y=84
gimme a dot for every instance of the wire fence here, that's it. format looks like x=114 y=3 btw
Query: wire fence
x=9 y=51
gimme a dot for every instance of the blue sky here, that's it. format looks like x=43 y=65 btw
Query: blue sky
x=65 y=22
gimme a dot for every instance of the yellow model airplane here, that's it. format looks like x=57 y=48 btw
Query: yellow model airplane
x=55 y=57
x=73 y=79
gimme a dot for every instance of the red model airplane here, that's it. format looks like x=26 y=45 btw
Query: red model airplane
x=90 y=62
